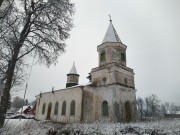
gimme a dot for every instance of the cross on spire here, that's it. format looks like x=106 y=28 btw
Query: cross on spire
x=110 y=18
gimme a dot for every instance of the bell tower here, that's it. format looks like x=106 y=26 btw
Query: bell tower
x=72 y=77
x=112 y=67
x=112 y=50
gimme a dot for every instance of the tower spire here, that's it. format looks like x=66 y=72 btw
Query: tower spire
x=73 y=69
x=111 y=34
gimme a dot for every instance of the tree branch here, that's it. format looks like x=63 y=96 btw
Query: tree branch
x=26 y=53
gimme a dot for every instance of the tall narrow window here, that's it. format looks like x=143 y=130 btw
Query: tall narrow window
x=43 y=109
x=63 y=108
x=113 y=54
x=103 y=56
x=123 y=57
x=56 y=108
x=49 y=111
x=125 y=81
x=73 y=106
x=105 y=111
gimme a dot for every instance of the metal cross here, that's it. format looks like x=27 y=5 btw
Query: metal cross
x=110 y=17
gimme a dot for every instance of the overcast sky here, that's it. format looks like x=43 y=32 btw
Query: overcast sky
x=149 y=28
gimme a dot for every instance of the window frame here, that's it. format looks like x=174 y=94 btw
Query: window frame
x=105 y=109
x=123 y=56
x=73 y=108
x=43 y=108
x=103 y=56
x=63 y=112
x=56 y=108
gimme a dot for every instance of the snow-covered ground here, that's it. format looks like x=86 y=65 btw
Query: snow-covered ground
x=32 y=127
x=25 y=127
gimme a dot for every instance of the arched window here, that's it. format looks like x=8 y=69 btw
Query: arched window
x=63 y=108
x=73 y=106
x=49 y=111
x=56 y=108
x=103 y=56
x=105 y=111
x=43 y=109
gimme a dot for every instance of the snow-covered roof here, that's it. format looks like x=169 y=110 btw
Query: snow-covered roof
x=85 y=84
x=111 y=34
x=24 y=108
x=73 y=69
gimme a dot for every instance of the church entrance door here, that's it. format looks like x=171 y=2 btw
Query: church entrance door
x=49 y=111
x=128 y=112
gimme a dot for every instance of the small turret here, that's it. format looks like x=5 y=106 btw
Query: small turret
x=72 y=77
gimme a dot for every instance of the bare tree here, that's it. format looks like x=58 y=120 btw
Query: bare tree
x=140 y=103
x=17 y=102
x=152 y=106
x=167 y=106
x=163 y=109
x=178 y=107
x=18 y=77
x=41 y=28
x=173 y=108
x=147 y=107
x=5 y=10
x=170 y=108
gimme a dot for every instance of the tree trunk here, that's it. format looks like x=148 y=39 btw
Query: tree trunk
x=10 y=72
x=6 y=91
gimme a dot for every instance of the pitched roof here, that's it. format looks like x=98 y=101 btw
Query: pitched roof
x=111 y=34
x=23 y=108
x=73 y=69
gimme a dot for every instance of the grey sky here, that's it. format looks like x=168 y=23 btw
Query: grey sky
x=149 y=28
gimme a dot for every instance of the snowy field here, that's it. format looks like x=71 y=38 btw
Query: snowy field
x=32 y=127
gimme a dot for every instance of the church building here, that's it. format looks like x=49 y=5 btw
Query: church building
x=109 y=96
